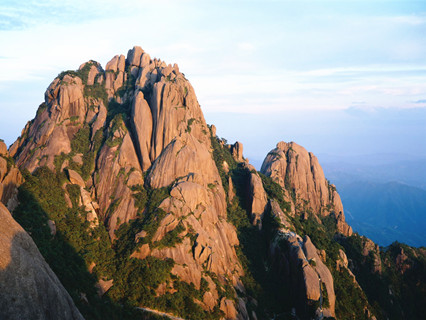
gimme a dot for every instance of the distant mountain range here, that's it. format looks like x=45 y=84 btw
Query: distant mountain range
x=383 y=199
x=386 y=212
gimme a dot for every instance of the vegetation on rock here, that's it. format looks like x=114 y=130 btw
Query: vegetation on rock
x=110 y=238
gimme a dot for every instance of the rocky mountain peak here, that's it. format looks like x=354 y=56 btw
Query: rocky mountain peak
x=135 y=201
x=299 y=173
x=103 y=130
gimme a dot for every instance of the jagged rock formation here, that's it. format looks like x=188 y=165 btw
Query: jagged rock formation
x=258 y=197
x=198 y=200
x=369 y=248
x=105 y=128
x=10 y=179
x=237 y=151
x=301 y=265
x=163 y=214
x=28 y=287
x=298 y=172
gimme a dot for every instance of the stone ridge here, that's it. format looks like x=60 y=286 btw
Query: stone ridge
x=107 y=129
x=299 y=173
x=133 y=132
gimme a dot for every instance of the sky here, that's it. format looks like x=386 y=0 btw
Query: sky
x=338 y=77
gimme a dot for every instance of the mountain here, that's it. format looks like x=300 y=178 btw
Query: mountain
x=383 y=195
x=386 y=212
x=377 y=168
x=140 y=209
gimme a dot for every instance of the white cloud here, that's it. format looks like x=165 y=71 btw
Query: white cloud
x=246 y=46
x=413 y=20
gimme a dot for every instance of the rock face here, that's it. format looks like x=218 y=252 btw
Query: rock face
x=197 y=200
x=369 y=248
x=298 y=172
x=105 y=129
x=301 y=265
x=237 y=151
x=159 y=101
x=258 y=197
x=10 y=179
x=131 y=150
x=3 y=148
x=28 y=287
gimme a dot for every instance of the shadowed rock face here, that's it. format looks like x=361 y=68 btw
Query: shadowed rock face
x=301 y=265
x=10 y=179
x=299 y=173
x=28 y=287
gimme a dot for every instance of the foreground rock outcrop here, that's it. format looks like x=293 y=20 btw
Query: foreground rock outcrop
x=28 y=287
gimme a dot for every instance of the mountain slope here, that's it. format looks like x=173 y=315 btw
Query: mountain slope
x=28 y=287
x=130 y=150
x=151 y=209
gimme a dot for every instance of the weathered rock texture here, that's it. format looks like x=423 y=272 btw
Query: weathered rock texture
x=258 y=197
x=237 y=151
x=3 y=148
x=198 y=197
x=106 y=128
x=301 y=265
x=10 y=179
x=370 y=249
x=28 y=287
x=117 y=136
x=299 y=173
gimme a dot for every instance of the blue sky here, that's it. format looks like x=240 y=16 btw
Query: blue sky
x=335 y=76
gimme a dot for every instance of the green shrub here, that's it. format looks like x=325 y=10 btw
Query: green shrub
x=275 y=191
x=68 y=253
x=81 y=141
x=74 y=194
x=96 y=91
x=171 y=238
x=41 y=108
x=221 y=154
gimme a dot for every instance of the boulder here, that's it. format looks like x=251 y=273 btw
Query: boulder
x=3 y=148
x=237 y=151
x=134 y=56
x=75 y=178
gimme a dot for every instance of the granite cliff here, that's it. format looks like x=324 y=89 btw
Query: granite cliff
x=134 y=201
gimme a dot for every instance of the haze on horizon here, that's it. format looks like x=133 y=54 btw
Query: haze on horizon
x=341 y=78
